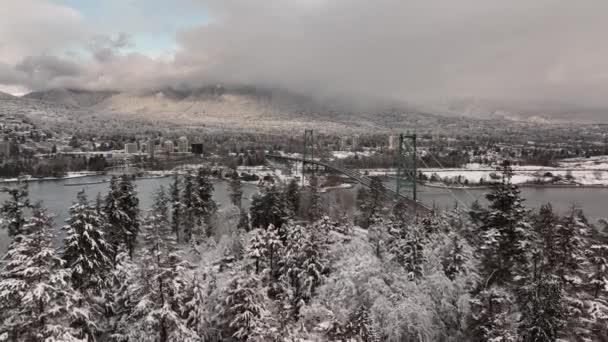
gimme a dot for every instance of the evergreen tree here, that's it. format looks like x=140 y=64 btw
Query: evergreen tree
x=505 y=233
x=597 y=277
x=269 y=208
x=196 y=309
x=159 y=308
x=453 y=263
x=35 y=296
x=204 y=205
x=542 y=309
x=243 y=310
x=236 y=190
x=188 y=205
x=370 y=203
x=11 y=212
x=313 y=265
x=361 y=325
x=408 y=252
x=176 y=206
x=86 y=252
x=569 y=239
x=257 y=248
x=315 y=211
x=492 y=318
x=122 y=212
x=292 y=195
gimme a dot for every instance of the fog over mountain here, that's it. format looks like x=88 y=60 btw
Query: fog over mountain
x=544 y=57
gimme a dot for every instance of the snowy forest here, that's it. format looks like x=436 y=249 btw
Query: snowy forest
x=501 y=272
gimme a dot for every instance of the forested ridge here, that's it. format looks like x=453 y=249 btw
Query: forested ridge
x=284 y=271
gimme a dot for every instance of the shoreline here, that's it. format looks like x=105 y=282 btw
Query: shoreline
x=524 y=185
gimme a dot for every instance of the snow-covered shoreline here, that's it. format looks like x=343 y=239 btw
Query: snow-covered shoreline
x=574 y=172
x=70 y=175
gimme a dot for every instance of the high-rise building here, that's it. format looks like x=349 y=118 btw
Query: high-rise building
x=355 y=142
x=168 y=146
x=131 y=148
x=182 y=144
x=343 y=143
x=151 y=148
x=392 y=142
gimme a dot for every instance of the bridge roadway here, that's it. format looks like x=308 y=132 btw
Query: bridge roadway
x=360 y=178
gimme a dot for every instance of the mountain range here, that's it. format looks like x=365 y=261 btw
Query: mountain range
x=256 y=108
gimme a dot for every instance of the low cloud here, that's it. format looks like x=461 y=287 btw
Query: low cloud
x=425 y=51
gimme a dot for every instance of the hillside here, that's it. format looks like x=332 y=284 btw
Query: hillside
x=222 y=108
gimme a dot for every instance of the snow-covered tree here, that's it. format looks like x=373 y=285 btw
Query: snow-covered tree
x=453 y=262
x=86 y=252
x=243 y=309
x=269 y=208
x=292 y=195
x=204 y=205
x=505 y=233
x=361 y=325
x=313 y=263
x=176 y=206
x=597 y=277
x=493 y=316
x=36 y=299
x=256 y=249
x=188 y=212
x=11 y=213
x=122 y=212
x=236 y=190
x=542 y=308
x=196 y=309
x=315 y=212
x=158 y=309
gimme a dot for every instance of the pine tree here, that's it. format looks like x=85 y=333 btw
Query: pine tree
x=453 y=263
x=204 y=205
x=292 y=195
x=569 y=239
x=370 y=203
x=505 y=233
x=122 y=212
x=597 y=257
x=196 y=309
x=35 y=295
x=257 y=249
x=313 y=264
x=362 y=326
x=269 y=208
x=492 y=316
x=86 y=252
x=542 y=309
x=315 y=211
x=176 y=206
x=236 y=190
x=188 y=205
x=158 y=309
x=11 y=212
x=408 y=252
x=243 y=310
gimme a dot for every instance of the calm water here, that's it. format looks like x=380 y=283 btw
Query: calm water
x=57 y=198
x=593 y=201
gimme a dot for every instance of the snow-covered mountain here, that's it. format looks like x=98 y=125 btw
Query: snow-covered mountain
x=230 y=107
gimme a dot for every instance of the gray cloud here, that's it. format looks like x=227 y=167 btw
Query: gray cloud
x=425 y=51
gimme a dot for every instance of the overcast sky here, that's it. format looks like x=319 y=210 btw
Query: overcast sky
x=541 y=51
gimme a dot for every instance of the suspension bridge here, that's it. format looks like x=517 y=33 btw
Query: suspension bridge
x=358 y=177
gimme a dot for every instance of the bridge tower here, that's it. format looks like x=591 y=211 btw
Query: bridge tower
x=308 y=152
x=400 y=159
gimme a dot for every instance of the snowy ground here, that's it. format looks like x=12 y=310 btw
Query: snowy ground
x=69 y=175
x=584 y=171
